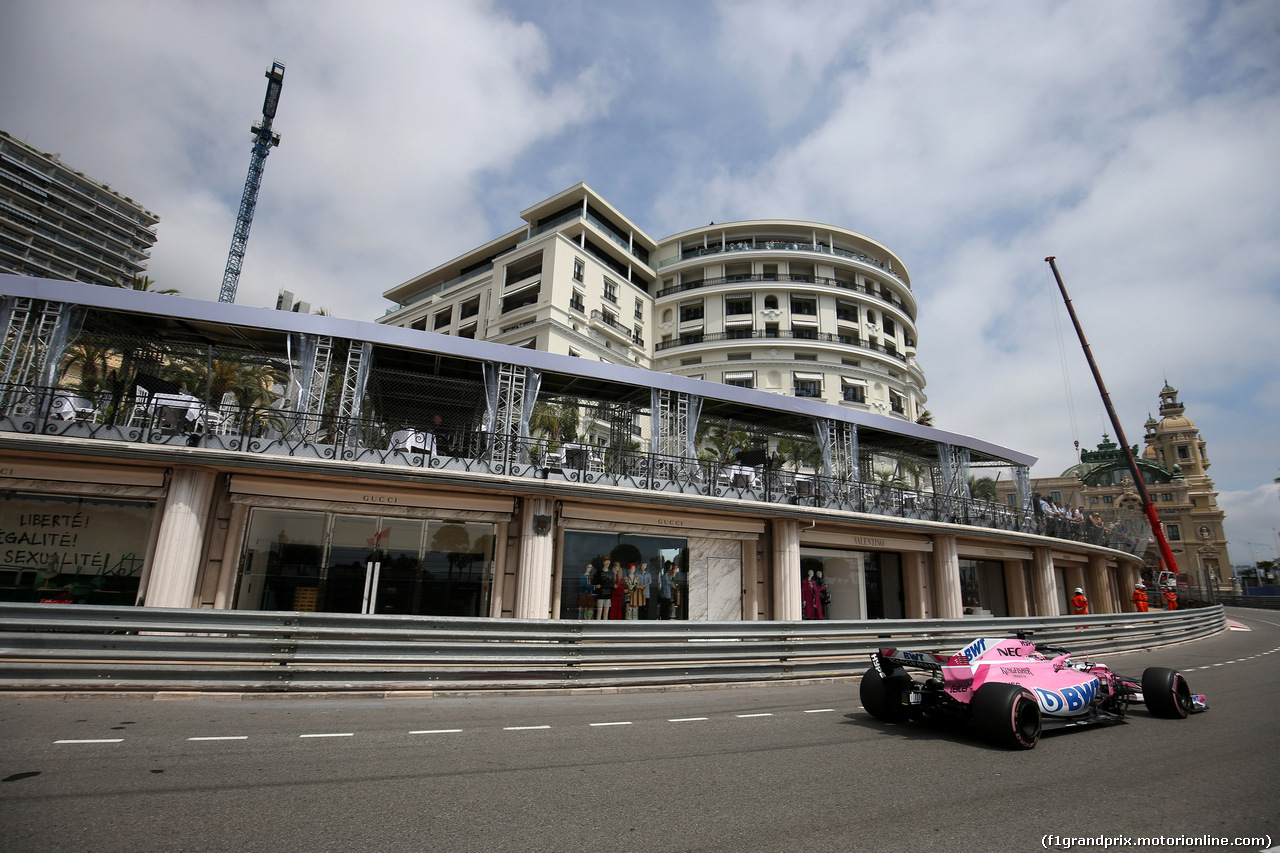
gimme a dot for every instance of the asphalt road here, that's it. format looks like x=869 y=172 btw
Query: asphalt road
x=784 y=768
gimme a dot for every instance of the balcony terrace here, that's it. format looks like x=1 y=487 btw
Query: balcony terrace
x=147 y=374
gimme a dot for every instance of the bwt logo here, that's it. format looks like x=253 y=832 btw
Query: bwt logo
x=1069 y=699
x=975 y=648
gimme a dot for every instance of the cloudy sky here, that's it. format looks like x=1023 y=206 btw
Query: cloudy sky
x=1139 y=142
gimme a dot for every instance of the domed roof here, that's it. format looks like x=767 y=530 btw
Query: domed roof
x=1175 y=422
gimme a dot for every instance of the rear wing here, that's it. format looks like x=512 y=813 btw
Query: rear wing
x=889 y=659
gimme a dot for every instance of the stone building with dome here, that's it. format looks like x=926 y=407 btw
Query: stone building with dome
x=1173 y=463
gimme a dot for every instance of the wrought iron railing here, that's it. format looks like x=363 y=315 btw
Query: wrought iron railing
x=179 y=420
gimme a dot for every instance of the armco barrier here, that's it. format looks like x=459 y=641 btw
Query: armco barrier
x=77 y=647
x=1270 y=602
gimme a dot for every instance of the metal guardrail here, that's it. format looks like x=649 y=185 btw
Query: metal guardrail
x=78 y=647
x=1270 y=602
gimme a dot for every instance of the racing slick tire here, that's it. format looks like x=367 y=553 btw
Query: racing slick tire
x=1008 y=714
x=1165 y=693
x=880 y=698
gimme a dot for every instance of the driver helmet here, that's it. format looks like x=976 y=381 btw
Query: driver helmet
x=1079 y=591
x=1139 y=585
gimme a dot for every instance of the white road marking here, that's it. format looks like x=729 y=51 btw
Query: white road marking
x=93 y=740
x=686 y=719
x=753 y=715
x=224 y=737
x=435 y=731
x=821 y=711
x=331 y=734
x=523 y=728
x=610 y=724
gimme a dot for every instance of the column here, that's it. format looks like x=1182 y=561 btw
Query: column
x=176 y=561
x=1044 y=599
x=915 y=586
x=750 y=589
x=1015 y=588
x=1099 y=589
x=537 y=554
x=786 y=569
x=946 y=576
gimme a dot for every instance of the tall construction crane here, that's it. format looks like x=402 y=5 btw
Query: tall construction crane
x=265 y=139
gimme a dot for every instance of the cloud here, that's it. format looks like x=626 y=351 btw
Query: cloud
x=1134 y=141
x=1253 y=516
x=387 y=121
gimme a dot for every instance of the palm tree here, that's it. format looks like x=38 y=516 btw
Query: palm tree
x=557 y=422
x=90 y=364
x=141 y=282
x=983 y=489
x=925 y=418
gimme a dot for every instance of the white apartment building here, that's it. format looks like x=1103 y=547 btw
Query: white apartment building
x=795 y=308
x=56 y=222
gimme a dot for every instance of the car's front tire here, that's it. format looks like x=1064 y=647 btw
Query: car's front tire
x=1165 y=693
x=881 y=698
x=1007 y=714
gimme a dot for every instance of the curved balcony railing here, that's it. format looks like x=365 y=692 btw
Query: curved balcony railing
x=779 y=246
x=821 y=281
x=266 y=431
x=757 y=334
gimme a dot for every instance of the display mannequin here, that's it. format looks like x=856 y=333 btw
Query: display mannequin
x=618 y=606
x=604 y=590
x=824 y=596
x=646 y=584
x=635 y=595
x=664 y=592
x=810 y=597
x=587 y=593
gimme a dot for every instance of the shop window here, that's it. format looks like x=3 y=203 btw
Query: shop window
x=982 y=588
x=859 y=584
x=73 y=550
x=340 y=563
x=661 y=567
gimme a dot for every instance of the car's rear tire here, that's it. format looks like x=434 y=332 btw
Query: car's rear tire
x=881 y=698
x=1007 y=714
x=1165 y=693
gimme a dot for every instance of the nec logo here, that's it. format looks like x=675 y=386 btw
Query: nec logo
x=1011 y=653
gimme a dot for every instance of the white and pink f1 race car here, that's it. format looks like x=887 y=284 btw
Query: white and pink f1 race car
x=1012 y=689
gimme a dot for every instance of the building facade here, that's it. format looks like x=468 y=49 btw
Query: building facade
x=222 y=456
x=1173 y=465
x=794 y=308
x=56 y=222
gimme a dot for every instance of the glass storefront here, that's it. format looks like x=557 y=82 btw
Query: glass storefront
x=660 y=562
x=982 y=588
x=850 y=584
x=337 y=563
x=71 y=549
